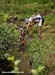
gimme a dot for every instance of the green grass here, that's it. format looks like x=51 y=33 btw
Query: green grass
x=25 y=7
x=42 y=52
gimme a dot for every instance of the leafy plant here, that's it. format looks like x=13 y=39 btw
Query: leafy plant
x=8 y=37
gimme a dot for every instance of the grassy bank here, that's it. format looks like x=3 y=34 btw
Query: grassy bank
x=44 y=50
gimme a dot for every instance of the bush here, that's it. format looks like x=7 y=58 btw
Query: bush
x=8 y=37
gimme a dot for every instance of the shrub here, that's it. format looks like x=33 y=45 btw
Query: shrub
x=8 y=37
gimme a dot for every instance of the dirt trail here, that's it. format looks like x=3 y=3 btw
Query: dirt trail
x=43 y=35
x=24 y=66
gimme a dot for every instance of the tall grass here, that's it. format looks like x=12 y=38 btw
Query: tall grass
x=26 y=7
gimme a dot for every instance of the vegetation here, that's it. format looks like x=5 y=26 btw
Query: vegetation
x=16 y=7
x=41 y=53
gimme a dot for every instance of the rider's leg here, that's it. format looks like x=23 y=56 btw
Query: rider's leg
x=29 y=28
